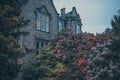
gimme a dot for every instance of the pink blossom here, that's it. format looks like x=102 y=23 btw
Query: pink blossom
x=58 y=51
x=64 y=57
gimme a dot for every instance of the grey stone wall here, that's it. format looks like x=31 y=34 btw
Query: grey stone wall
x=28 y=12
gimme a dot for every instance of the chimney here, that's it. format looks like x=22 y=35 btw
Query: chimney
x=62 y=11
x=73 y=8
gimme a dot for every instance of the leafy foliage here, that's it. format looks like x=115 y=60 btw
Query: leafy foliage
x=10 y=22
x=115 y=33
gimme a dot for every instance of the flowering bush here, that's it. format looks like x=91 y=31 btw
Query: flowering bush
x=103 y=64
x=65 y=57
x=74 y=50
x=105 y=59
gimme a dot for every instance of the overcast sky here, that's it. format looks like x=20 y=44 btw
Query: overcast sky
x=96 y=15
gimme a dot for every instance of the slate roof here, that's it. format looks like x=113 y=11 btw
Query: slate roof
x=64 y=16
x=54 y=6
x=69 y=14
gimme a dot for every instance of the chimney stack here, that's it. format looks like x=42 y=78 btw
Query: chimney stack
x=73 y=8
x=62 y=11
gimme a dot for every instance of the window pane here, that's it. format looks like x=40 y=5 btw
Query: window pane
x=37 y=47
x=47 y=23
x=43 y=22
x=42 y=44
x=38 y=20
x=60 y=25
x=42 y=27
x=78 y=29
x=74 y=27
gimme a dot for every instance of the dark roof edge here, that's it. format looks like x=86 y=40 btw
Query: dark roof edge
x=54 y=7
x=74 y=8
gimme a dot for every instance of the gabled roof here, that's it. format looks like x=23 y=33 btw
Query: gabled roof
x=70 y=14
x=54 y=7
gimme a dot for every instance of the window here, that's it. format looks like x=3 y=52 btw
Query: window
x=60 y=26
x=40 y=44
x=38 y=20
x=37 y=47
x=77 y=28
x=47 y=23
x=42 y=21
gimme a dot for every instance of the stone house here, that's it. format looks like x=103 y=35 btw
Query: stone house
x=70 y=20
x=44 y=24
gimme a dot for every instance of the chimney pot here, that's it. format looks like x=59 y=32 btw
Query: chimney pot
x=62 y=11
